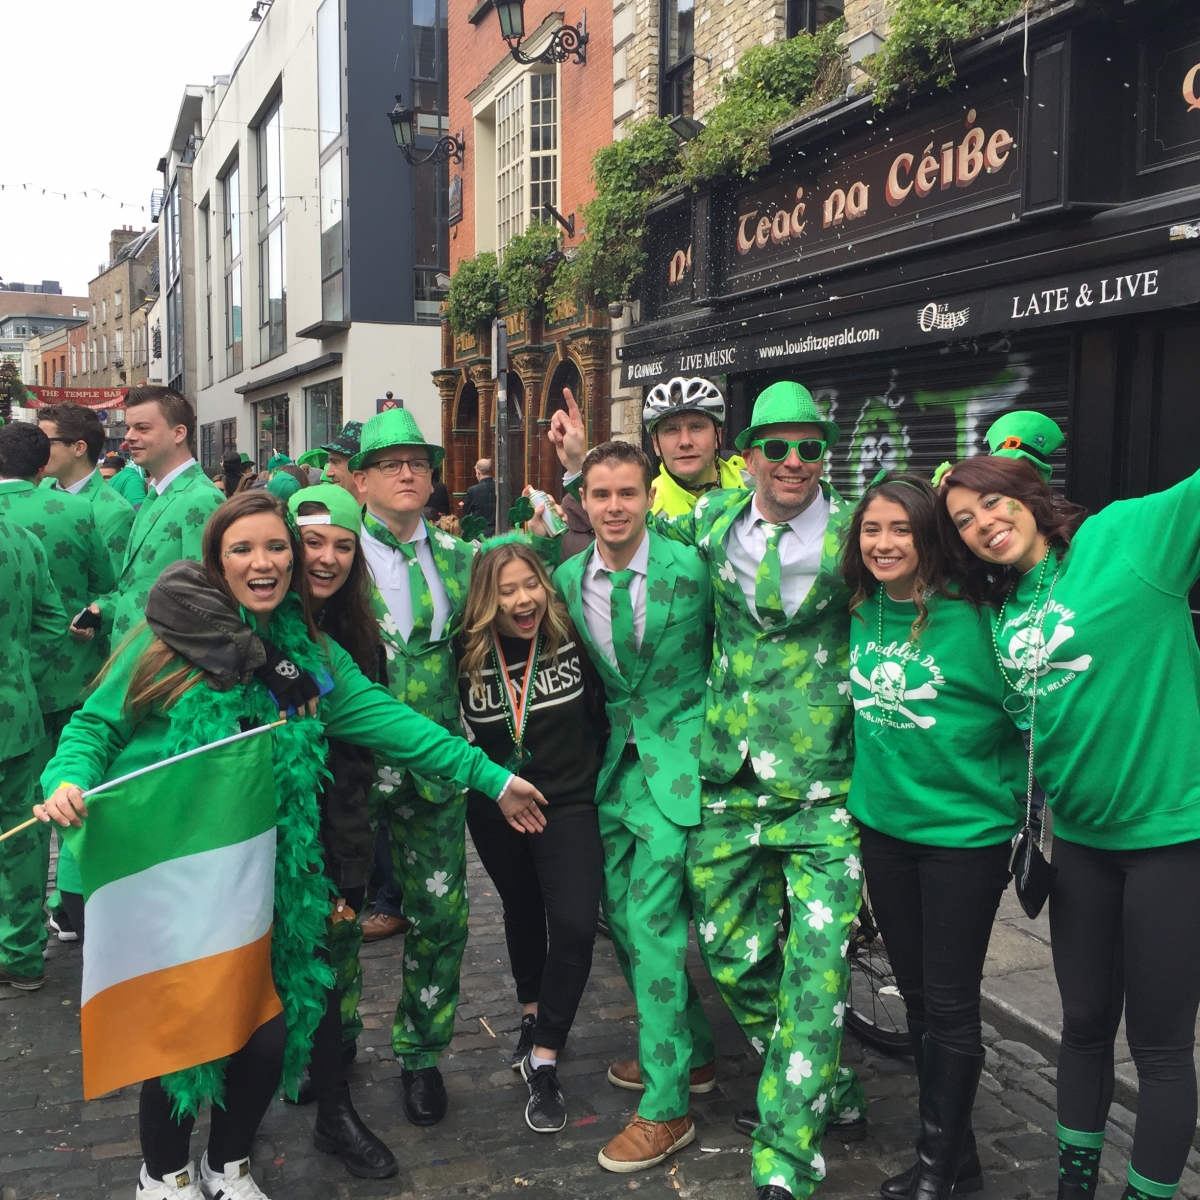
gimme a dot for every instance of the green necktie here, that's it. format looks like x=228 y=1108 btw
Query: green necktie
x=418 y=585
x=768 y=583
x=143 y=512
x=624 y=636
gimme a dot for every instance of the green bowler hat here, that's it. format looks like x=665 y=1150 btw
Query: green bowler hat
x=1028 y=435
x=395 y=427
x=313 y=458
x=341 y=508
x=786 y=403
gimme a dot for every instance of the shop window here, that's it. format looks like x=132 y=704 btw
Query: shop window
x=272 y=291
x=324 y=404
x=333 y=303
x=807 y=16
x=232 y=239
x=271 y=429
x=677 y=22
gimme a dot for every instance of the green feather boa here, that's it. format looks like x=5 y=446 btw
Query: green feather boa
x=302 y=891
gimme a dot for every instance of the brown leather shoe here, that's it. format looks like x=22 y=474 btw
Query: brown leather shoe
x=628 y=1074
x=379 y=925
x=642 y=1144
x=22 y=983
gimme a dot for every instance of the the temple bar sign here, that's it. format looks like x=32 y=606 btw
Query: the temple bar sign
x=906 y=177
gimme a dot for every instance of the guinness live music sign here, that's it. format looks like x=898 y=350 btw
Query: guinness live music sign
x=951 y=176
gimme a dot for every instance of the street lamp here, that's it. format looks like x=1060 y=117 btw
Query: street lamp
x=565 y=41
x=446 y=149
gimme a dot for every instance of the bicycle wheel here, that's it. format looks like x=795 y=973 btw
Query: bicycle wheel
x=874 y=1007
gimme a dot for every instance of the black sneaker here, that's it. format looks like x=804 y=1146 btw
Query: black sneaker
x=60 y=923
x=546 y=1111
x=525 y=1042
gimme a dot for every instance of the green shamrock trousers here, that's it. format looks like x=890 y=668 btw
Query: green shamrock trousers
x=648 y=910
x=750 y=852
x=429 y=861
x=24 y=861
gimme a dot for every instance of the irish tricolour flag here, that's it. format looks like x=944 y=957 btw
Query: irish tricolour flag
x=178 y=867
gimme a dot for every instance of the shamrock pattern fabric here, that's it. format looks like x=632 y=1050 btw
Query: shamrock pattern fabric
x=166 y=529
x=648 y=910
x=81 y=568
x=24 y=861
x=429 y=861
x=753 y=852
x=344 y=940
x=778 y=697
x=113 y=515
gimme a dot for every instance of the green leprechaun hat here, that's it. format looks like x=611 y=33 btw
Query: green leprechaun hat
x=395 y=427
x=1028 y=435
x=348 y=439
x=786 y=403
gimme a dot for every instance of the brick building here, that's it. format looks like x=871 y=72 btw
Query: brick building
x=116 y=337
x=530 y=132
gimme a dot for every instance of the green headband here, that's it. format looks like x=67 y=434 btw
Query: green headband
x=513 y=538
x=881 y=476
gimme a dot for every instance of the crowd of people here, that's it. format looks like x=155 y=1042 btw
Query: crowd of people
x=723 y=697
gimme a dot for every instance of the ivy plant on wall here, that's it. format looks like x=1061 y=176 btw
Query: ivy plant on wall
x=474 y=295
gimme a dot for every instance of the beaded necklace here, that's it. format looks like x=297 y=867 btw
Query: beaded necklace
x=516 y=710
x=1018 y=702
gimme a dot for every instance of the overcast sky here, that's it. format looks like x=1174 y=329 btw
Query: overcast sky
x=89 y=92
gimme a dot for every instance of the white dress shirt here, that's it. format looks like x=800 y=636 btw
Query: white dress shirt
x=800 y=547
x=389 y=569
x=161 y=485
x=79 y=485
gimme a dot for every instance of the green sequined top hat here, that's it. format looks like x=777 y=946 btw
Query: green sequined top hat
x=396 y=427
x=347 y=440
x=342 y=508
x=786 y=403
x=1028 y=435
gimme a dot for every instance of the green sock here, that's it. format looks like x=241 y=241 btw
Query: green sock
x=1079 y=1158
x=1141 y=1188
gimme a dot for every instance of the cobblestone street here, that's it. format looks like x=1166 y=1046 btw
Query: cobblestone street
x=52 y=1144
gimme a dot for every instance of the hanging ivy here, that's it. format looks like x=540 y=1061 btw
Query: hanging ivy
x=921 y=41
x=528 y=266
x=474 y=295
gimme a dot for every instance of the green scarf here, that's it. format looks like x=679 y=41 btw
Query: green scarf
x=302 y=891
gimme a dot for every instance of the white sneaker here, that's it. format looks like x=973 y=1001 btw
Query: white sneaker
x=234 y=1184
x=179 y=1185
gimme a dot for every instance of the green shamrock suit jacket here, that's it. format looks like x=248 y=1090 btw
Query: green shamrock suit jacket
x=422 y=672
x=780 y=696
x=166 y=529
x=113 y=515
x=664 y=702
x=81 y=568
x=33 y=625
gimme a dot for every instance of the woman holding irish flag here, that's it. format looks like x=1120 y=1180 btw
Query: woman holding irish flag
x=216 y=845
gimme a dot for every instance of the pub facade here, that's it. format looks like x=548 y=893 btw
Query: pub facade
x=1029 y=238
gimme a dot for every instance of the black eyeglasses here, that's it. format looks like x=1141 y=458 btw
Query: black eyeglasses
x=392 y=466
x=809 y=450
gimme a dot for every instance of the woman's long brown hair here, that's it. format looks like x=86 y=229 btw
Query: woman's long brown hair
x=346 y=616
x=483 y=602
x=1057 y=520
x=148 y=685
x=919 y=501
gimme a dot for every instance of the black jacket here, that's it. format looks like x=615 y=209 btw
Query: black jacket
x=480 y=501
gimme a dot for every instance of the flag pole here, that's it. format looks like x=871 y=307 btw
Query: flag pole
x=166 y=762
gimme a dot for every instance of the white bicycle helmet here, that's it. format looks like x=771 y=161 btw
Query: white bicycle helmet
x=681 y=395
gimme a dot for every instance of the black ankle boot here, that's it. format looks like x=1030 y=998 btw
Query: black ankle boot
x=948 y=1082
x=340 y=1130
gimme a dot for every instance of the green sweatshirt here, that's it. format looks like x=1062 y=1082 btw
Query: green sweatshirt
x=938 y=761
x=103 y=741
x=1118 y=674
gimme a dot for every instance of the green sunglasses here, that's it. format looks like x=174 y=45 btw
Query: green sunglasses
x=809 y=450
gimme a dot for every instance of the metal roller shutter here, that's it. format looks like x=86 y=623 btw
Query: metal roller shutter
x=913 y=409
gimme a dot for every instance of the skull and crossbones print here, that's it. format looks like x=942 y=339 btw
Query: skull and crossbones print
x=1031 y=653
x=890 y=692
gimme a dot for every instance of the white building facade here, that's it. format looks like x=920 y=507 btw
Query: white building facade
x=299 y=250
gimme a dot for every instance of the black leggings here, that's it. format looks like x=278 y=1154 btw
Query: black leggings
x=549 y=882
x=1125 y=930
x=251 y=1077
x=935 y=907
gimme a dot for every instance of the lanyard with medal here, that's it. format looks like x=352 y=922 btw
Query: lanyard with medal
x=516 y=709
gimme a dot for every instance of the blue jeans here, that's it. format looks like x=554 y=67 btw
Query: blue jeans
x=389 y=895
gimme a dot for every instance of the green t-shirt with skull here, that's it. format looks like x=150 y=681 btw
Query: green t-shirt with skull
x=1118 y=673
x=938 y=760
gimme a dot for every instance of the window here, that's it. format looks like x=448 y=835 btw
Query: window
x=522 y=153
x=93 y=316
x=429 y=76
x=228 y=443
x=430 y=252
x=543 y=144
x=73 y=367
x=119 y=348
x=173 y=231
x=333 y=306
x=208 y=447
x=510 y=163
x=675 y=54
x=93 y=354
x=324 y=404
x=232 y=239
x=104 y=353
x=329 y=73
x=272 y=295
x=117 y=303
x=104 y=312
x=807 y=16
x=206 y=248
x=271 y=425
